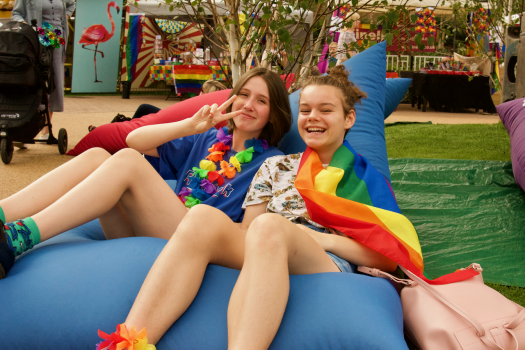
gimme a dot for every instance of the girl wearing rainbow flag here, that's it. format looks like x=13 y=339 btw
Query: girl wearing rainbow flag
x=130 y=198
x=277 y=237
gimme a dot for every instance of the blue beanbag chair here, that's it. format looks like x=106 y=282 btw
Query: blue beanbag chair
x=59 y=293
x=395 y=91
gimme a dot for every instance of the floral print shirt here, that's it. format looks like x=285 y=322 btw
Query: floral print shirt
x=274 y=183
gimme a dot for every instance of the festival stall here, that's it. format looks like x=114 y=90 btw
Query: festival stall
x=161 y=50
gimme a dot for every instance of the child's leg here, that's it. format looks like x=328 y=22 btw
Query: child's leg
x=176 y=275
x=275 y=248
x=127 y=181
x=50 y=187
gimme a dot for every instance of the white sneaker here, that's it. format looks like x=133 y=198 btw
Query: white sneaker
x=43 y=137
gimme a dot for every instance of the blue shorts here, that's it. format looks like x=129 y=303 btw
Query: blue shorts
x=342 y=264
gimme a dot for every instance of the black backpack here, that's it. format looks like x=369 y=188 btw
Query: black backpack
x=24 y=63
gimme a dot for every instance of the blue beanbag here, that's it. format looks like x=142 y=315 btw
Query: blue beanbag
x=58 y=294
x=394 y=93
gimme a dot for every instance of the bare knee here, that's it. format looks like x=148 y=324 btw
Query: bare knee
x=266 y=233
x=128 y=159
x=96 y=156
x=194 y=226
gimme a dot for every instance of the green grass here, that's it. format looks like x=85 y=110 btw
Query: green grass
x=460 y=141
x=440 y=141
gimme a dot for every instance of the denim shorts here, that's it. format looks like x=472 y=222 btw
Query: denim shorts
x=342 y=264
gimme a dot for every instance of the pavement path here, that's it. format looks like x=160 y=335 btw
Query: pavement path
x=81 y=111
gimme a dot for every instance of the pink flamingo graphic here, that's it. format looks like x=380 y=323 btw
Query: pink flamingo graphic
x=97 y=34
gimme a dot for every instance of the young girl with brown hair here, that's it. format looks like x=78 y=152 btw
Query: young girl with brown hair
x=277 y=238
x=130 y=198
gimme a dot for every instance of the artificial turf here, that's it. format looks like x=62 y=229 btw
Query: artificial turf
x=453 y=141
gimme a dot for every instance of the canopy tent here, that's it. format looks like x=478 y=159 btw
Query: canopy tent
x=158 y=8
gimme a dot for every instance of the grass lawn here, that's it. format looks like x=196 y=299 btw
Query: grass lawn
x=448 y=141
x=460 y=141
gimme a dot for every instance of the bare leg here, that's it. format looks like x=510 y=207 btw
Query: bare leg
x=176 y=276
x=275 y=248
x=50 y=187
x=45 y=129
x=126 y=179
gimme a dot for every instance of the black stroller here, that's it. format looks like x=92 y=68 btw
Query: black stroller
x=26 y=79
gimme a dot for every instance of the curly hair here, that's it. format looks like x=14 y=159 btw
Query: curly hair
x=338 y=78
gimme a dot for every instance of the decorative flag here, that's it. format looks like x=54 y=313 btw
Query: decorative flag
x=133 y=45
x=352 y=197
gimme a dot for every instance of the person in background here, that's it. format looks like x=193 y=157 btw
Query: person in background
x=347 y=37
x=57 y=14
x=278 y=59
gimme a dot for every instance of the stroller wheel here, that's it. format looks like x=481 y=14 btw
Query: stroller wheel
x=62 y=141
x=6 y=149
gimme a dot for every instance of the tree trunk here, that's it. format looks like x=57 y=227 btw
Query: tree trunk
x=234 y=54
x=301 y=77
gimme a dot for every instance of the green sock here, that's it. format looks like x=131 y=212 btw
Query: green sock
x=22 y=235
x=2 y=215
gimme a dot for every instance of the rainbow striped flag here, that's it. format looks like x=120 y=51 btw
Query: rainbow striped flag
x=190 y=78
x=352 y=197
x=133 y=45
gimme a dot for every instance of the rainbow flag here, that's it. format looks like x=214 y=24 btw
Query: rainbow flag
x=190 y=78
x=351 y=196
x=133 y=44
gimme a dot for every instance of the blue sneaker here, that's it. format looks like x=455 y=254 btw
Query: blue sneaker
x=7 y=257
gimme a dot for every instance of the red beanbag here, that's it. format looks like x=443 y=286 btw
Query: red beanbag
x=112 y=137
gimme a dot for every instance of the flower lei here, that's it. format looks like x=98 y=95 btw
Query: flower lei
x=201 y=184
x=426 y=21
x=480 y=21
x=124 y=339
x=50 y=36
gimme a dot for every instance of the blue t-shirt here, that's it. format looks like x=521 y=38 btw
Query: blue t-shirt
x=178 y=157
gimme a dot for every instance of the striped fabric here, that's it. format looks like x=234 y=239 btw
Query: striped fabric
x=188 y=78
x=351 y=196
x=218 y=73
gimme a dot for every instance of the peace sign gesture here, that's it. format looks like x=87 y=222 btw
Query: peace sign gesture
x=209 y=116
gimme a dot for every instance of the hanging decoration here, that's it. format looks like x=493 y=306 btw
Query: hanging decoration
x=480 y=24
x=426 y=21
x=50 y=36
x=142 y=21
x=171 y=27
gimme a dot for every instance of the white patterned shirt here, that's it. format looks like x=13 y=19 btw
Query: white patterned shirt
x=274 y=183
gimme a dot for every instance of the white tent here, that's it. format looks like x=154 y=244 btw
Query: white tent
x=158 y=8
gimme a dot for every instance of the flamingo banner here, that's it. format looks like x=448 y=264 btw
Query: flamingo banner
x=97 y=45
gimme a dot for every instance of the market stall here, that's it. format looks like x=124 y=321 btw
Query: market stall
x=154 y=46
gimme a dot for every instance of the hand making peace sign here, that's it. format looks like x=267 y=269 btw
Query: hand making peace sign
x=209 y=116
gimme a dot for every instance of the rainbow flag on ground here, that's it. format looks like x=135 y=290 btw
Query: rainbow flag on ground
x=351 y=196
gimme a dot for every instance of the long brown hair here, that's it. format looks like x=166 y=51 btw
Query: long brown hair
x=280 y=119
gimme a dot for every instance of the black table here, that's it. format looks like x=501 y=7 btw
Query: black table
x=452 y=92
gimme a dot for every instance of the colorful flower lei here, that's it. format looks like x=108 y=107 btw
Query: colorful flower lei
x=480 y=21
x=50 y=36
x=201 y=183
x=426 y=21
x=124 y=339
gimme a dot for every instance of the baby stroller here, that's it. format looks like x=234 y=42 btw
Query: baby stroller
x=26 y=79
